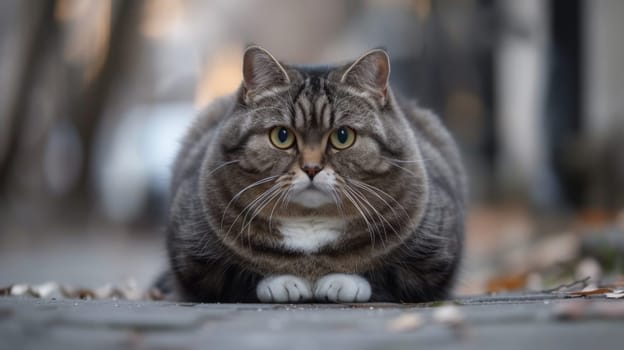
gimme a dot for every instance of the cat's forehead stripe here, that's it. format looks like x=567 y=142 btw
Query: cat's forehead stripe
x=323 y=108
x=299 y=115
x=312 y=105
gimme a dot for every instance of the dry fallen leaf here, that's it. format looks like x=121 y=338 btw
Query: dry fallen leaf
x=407 y=322
x=52 y=290
x=589 y=292
x=155 y=294
x=569 y=287
x=507 y=283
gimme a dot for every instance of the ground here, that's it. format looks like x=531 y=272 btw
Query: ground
x=529 y=321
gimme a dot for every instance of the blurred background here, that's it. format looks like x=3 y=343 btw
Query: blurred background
x=95 y=95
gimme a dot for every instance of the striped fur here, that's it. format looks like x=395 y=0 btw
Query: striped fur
x=401 y=188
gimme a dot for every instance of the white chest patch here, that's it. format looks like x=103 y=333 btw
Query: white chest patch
x=309 y=234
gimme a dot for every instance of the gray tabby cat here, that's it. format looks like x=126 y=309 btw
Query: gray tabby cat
x=315 y=184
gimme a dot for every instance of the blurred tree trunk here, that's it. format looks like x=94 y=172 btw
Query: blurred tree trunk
x=82 y=105
x=89 y=107
x=39 y=15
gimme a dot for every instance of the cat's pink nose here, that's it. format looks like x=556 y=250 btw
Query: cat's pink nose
x=311 y=169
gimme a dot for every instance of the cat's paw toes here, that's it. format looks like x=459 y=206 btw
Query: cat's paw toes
x=283 y=289
x=342 y=288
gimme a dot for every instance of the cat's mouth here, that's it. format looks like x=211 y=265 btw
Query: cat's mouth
x=312 y=187
x=312 y=196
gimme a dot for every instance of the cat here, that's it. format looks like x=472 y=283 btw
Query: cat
x=315 y=184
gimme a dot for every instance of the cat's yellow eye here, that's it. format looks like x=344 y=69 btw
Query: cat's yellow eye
x=281 y=137
x=342 y=138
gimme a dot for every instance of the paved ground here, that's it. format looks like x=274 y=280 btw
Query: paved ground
x=515 y=322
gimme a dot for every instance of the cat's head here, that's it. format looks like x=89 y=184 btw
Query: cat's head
x=323 y=141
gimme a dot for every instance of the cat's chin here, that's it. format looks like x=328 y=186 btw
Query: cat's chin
x=312 y=198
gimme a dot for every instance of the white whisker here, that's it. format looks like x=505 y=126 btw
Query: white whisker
x=237 y=195
x=366 y=203
x=251 y=206
x=221 y=166
x=359 y=209
x=376 y=191
x=273 y=194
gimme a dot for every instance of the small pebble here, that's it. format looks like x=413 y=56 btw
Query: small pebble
x=449 y=315
x=407 y=322
x=19 y=289
x=48 y=289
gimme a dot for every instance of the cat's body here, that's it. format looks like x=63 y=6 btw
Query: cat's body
x=315 y=184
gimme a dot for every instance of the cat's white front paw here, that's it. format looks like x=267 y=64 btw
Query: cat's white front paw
x=342 y=288
x=283 y=289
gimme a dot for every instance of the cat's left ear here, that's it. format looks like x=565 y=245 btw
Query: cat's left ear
x=261 y=71
x=370 y=72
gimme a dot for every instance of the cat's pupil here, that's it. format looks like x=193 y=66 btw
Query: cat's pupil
x=282 y=135
x=342 y=135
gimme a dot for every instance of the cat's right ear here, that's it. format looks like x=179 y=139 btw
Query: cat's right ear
x=261 y=72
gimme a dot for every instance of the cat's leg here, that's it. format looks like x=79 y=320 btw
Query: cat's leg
x=342 y=288
x=283 y=289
